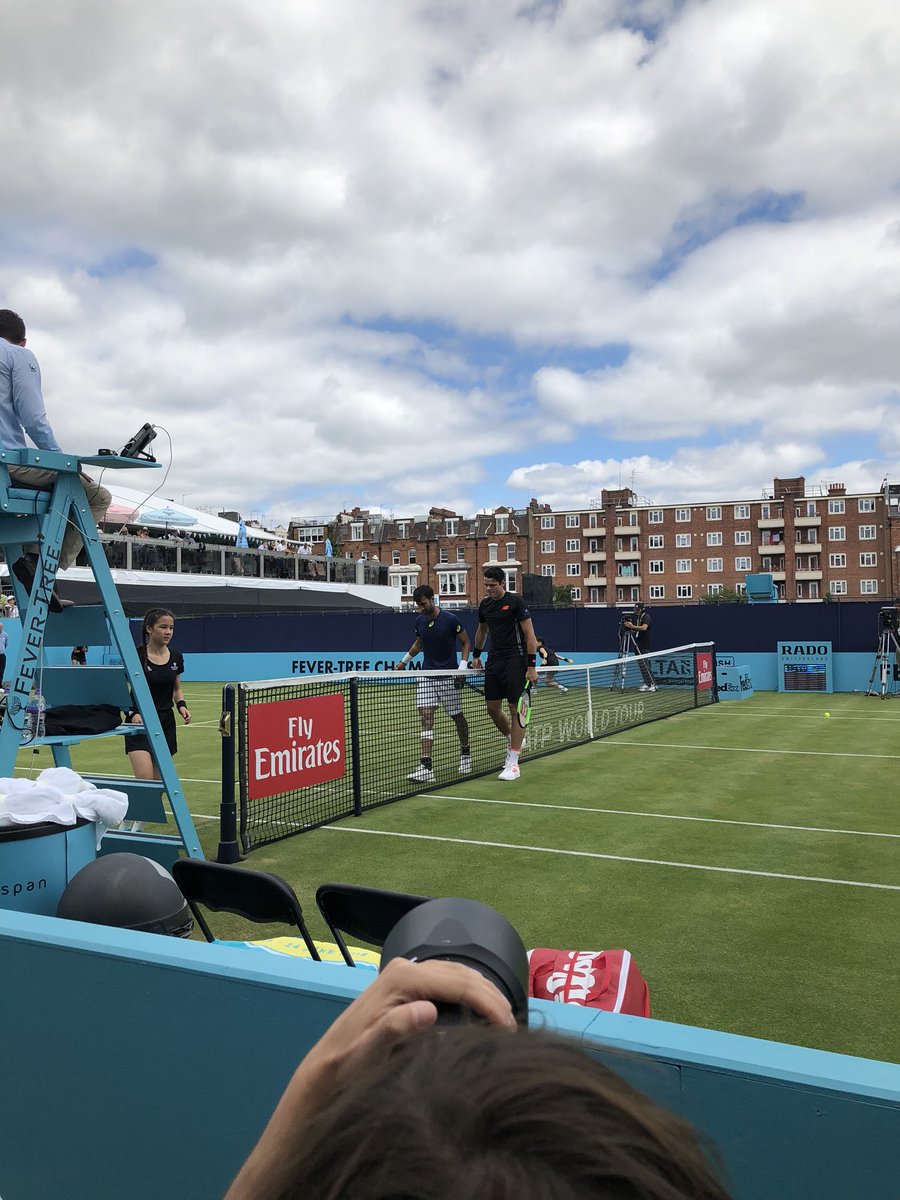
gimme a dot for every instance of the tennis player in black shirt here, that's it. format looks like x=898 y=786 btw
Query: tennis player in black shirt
x=505 y=616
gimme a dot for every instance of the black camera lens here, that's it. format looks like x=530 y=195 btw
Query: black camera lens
x=464 y=931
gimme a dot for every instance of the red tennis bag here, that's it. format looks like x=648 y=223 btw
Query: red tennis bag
x=606 y=979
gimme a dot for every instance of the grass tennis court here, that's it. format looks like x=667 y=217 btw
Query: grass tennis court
x=747 y=854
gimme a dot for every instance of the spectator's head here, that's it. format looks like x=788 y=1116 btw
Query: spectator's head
x=474 y=1111
x=12 y=327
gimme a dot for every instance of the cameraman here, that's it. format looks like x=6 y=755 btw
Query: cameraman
x=638 y=625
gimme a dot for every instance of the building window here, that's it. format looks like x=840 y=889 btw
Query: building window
x=814 y=589
x=501 y=523
x=867 y=533
x=395 y=557
x=592 y=520
x=865 y=504
x=573 y=569
x=837 y=560
x=655 y=541
x=548 y=522
x=682 y=514
x=714 y=512
x=682 y=565
x=743 y=564
x=657 y=591
x=575 y=593
x=356 y=532
x=594 y=546
x=684 y=591
x=572 y=520
x=868 y=587
x=655 y=516
x=713 y=589
x=838 y=587
x=492 y=551
x=836 y=506
x=593 y=595
x=714 y=539
x=443 y=554
x=741 y=512
x=836 y=533
x=510 y=551
x=656 y=566
x=411 y=556
x=868 y=558
x=407 y=583
x=452 y=583
x=460 y=554
x=682 y=540
x=511 y=577
x=764 y=512
x=573 y=546
x=548 y=569
x=451 y=527
x=548 y=547
x=742 y=537
x=714 y=564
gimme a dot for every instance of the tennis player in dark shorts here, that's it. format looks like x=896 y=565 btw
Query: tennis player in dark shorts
x=505 y=616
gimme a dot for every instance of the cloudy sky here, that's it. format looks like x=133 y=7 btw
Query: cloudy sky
x=398 y=253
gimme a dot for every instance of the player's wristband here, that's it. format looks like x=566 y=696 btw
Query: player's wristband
x=476 y=653
x=405 y=659
x=531 y=659
x=181 y=705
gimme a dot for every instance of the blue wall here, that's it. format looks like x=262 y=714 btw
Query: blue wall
x=249 y=647
x=143 y=1066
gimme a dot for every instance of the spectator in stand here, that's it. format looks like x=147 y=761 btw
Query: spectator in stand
x=4 y=641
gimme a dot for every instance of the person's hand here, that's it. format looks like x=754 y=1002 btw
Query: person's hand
x=531 y=674
x=185 y=715
x=137 y=719
x=399 y=666
x=398 y=1003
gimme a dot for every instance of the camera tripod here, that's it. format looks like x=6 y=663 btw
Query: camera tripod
x=885 y=678
x=627 y=648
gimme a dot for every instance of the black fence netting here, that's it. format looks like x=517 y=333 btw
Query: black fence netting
x=317 y=750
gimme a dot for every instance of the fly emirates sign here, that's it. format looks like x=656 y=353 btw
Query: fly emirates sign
x=293 y=744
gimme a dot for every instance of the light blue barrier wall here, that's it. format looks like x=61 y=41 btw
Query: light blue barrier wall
x=140 y=1066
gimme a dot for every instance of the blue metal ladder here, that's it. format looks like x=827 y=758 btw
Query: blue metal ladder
x=28 y=516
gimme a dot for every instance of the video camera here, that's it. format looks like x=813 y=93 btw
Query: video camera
x=889 y=619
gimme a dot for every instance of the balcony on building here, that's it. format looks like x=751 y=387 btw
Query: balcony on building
x=765 y=547
x=625 y=577
x=628 y=555
x=802 y=576
x=770 y=523
x=806 y=522
x=627 y=530
x=597 y=556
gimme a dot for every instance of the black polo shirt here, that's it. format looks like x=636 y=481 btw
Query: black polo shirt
x=502 y=618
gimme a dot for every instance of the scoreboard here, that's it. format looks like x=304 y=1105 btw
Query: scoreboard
x=804 y=667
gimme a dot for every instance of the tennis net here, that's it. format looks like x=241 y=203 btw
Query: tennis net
x=314 y=751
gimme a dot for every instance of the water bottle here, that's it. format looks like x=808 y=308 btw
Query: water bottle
x=40 y=708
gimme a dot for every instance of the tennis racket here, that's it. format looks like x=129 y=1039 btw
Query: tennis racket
x=523 y=708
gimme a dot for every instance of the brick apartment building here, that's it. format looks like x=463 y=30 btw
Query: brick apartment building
x=816 y=543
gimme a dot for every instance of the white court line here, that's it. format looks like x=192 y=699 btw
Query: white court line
x=627 y=812
x=618 y=741
x=651 y=862
x=798 y=716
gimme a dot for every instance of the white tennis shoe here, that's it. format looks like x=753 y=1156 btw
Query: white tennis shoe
x=510 y=771
x=465 y=764
x=421 y=775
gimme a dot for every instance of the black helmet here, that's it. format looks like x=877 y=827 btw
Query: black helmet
x=129 y=892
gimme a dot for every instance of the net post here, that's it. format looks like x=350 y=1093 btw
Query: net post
x=354 y=748
x=228 y=851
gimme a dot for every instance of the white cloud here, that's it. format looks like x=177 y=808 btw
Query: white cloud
x=512 y=172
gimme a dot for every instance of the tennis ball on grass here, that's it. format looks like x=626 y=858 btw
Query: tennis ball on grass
x=828 y=714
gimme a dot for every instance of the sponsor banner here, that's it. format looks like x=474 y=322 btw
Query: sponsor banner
x=293 y=744
x=704 y=670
